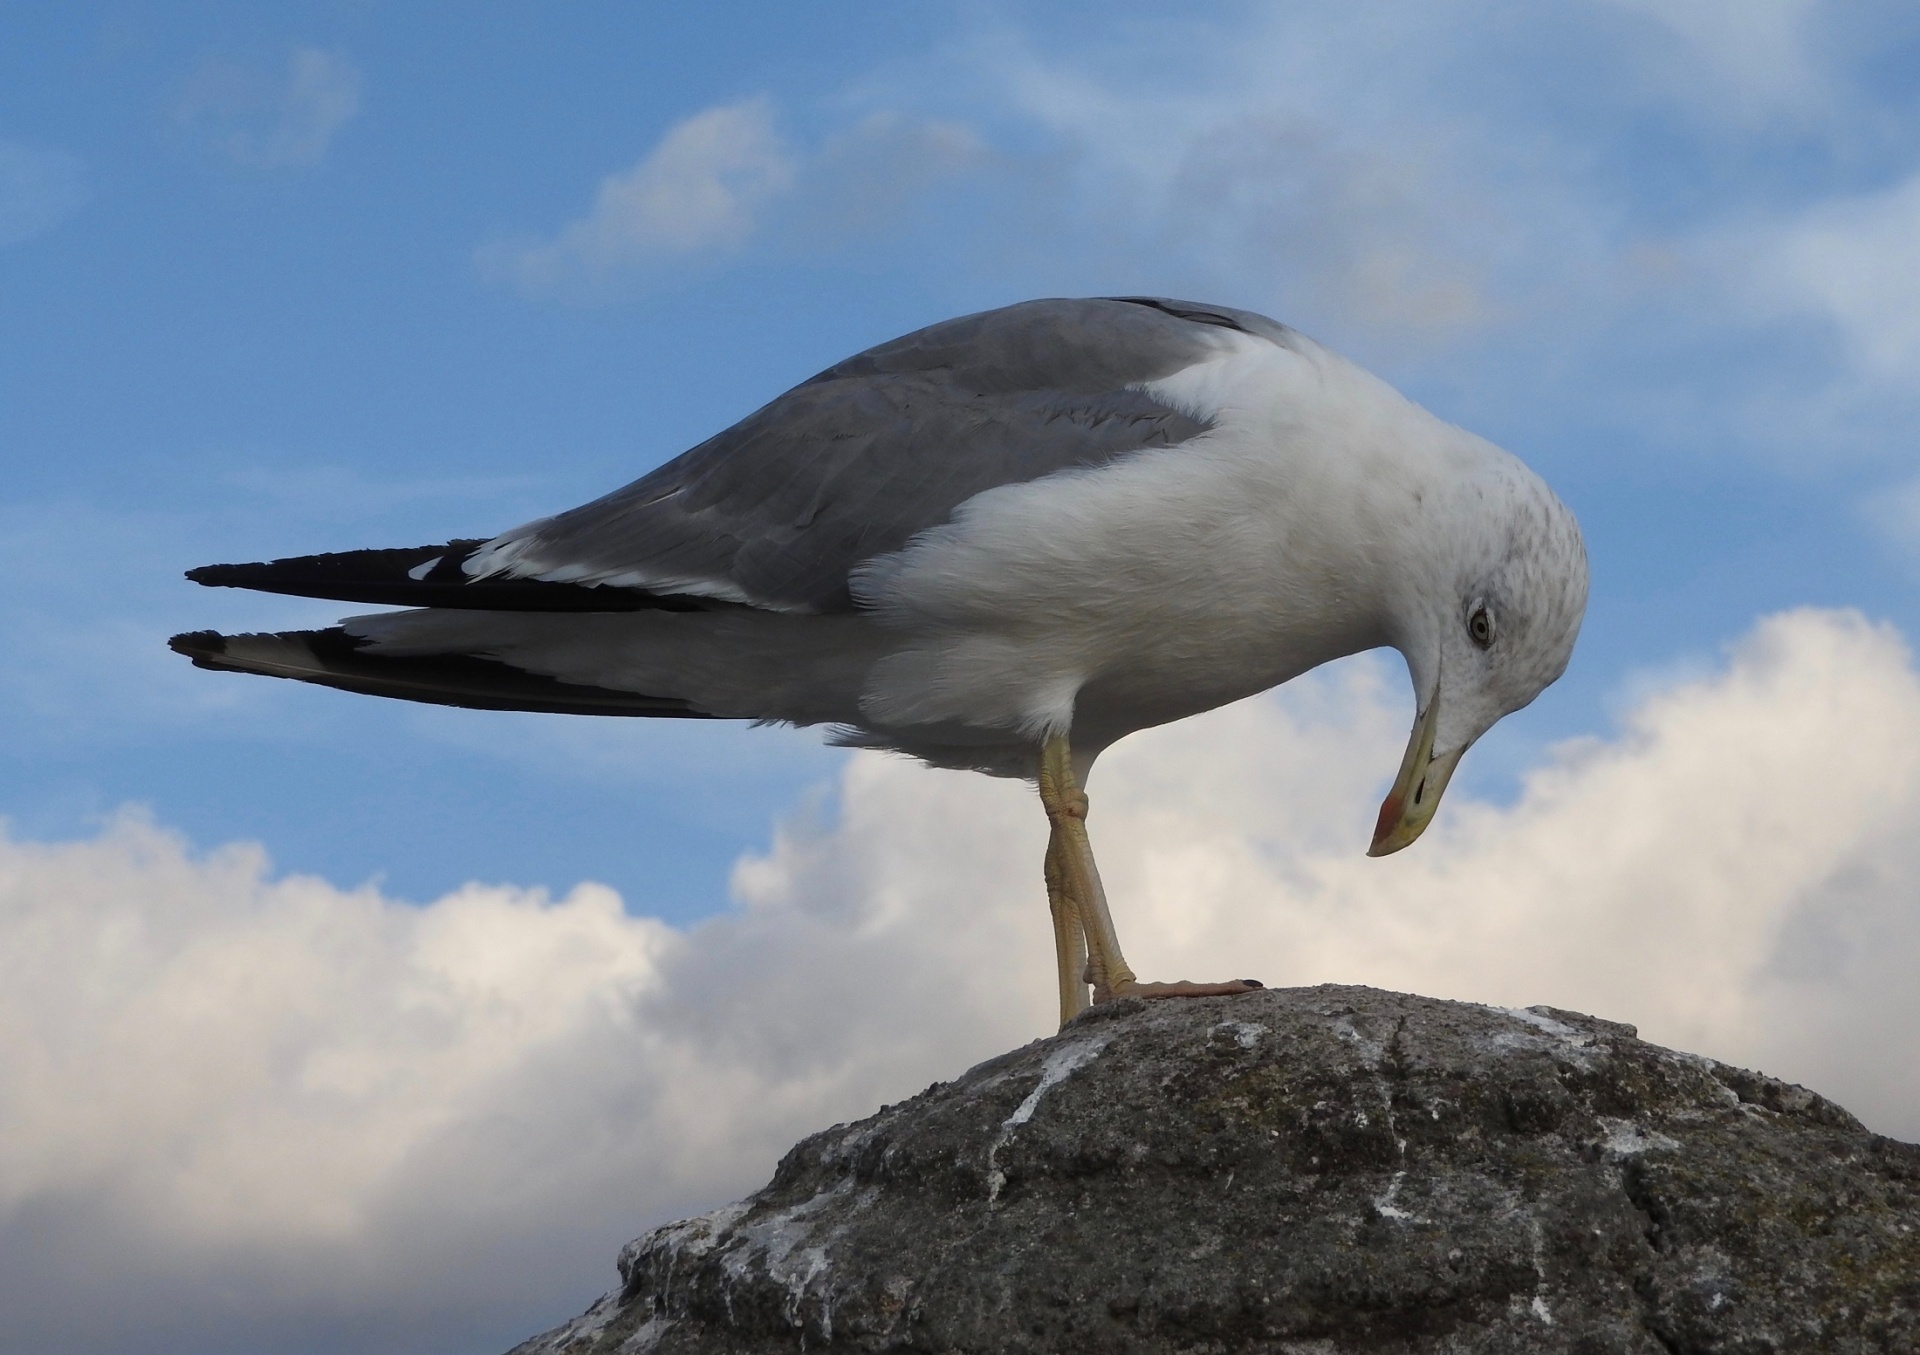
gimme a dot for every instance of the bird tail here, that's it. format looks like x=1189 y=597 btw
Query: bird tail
x=335 y=658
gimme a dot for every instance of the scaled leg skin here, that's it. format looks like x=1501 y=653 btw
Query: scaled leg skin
x=1069 y=940
x=1070 y=861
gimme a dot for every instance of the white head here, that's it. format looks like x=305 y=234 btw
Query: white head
x=1487 y=621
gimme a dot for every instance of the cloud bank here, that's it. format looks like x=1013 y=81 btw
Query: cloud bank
x=365 y=1116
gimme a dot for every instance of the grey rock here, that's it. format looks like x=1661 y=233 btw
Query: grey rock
x=1309 y=1171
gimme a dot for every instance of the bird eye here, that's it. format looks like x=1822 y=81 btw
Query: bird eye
x=1480 y=626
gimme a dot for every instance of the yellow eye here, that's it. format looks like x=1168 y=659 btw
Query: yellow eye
x=1480 y=626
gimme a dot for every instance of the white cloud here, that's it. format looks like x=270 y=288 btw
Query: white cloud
x=1343 y=227
x=698 y=192
x=1832 y=290
x=1854 y=262
x=865 y=177
x=38 y=190
x=725 y=182
x=263 y=121
x=1375 y=173
x=1625 y=205
x=321 y=1098
x=1280 y=170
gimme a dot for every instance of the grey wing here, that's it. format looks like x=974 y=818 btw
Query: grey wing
x=777 y=510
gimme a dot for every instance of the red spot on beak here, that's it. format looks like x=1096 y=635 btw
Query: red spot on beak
x=1389 y=817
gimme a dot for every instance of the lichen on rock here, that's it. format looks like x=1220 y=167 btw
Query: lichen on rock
x=1312 y=1171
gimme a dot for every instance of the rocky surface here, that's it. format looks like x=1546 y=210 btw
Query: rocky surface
x=1311 y=1171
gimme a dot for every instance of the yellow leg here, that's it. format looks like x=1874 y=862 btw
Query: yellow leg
x=1082 y=926
x=1069 y=940
x=1066 y=806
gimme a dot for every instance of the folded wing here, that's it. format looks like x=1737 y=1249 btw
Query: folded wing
x=777 y=510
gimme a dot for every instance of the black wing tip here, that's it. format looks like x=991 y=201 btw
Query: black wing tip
x=204 y=647
x=342 y=573
x=432 y=576
x=210 y=649
x=334 y=658
x=222 y=576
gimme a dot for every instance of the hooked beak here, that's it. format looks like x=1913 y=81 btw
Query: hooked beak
x=1416 y=792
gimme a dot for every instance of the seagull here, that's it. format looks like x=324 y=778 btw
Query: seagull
x=1000 y=543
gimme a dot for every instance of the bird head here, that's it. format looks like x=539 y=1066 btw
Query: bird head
x=1488 y=624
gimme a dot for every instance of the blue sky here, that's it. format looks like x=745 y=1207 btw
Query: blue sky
x=223 y=350
x=287 y=278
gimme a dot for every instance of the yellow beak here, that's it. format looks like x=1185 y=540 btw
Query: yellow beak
x=1416 y=792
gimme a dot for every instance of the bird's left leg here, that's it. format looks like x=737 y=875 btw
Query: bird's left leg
x=1071 y=854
